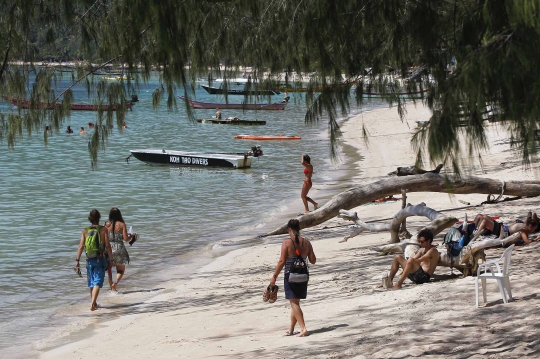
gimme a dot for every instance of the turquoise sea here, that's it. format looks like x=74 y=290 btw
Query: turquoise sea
x=46 y=193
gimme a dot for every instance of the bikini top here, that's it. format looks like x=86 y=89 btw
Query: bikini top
x=306 y=171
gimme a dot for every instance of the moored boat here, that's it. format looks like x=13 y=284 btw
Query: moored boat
x=267 y=138
x=401 y=94
x=196 y=159
x=74 y=106
x=221 y=91
x=235 y=106
x=232 y=121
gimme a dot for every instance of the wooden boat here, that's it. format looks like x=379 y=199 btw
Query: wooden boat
x=402 y=94
x=235 y=106
x=267 y=138
x=117 y=78
x=220 y=91
x=232 y=121
x=74 y=106
x=196 y=159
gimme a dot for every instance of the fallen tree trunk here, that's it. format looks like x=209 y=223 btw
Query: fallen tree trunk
x=428 y=182
x=439 y=221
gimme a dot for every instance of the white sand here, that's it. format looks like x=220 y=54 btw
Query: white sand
x=220 y=312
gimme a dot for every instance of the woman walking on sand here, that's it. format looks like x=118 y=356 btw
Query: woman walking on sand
x=116 y=227
x=308 y=172
x=290 y=248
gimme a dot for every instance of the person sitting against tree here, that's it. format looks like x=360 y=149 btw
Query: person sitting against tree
x=419 y=268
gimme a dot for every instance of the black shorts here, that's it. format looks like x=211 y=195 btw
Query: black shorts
x=419 y=277
x=496 y=229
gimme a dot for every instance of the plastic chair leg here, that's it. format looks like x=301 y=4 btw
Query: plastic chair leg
x=501 y=289
x=508 y=287
x=484 y=290
x=476 y=287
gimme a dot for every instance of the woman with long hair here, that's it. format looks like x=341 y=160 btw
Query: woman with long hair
x=116 y=227
x=308 y=172
x=294 y=246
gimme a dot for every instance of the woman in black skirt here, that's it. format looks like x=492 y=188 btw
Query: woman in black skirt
x=290 y=248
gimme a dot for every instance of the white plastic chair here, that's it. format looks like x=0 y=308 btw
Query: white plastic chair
x=496 y=273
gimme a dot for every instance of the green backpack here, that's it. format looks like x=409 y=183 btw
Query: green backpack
x=92 y=242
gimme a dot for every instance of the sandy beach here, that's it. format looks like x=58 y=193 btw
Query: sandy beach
x=219 y=312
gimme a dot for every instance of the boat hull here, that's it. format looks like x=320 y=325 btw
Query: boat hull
x=191 y=159
x=219 y=91
x=235 y=106
x=233 y=122
x=267 y=138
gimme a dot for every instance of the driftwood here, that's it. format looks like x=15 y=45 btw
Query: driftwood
x=439 y=222
x=428 y=182
x=413 y=170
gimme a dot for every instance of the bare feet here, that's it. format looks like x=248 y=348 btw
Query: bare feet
x=113 y=287
x=396 y=286
x=303 y=333
x=306 y=212
x=94 y=307
x=290 y=332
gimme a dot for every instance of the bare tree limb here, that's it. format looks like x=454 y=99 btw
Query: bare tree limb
x=428 y=182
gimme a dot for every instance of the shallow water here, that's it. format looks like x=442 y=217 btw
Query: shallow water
x=46 y=193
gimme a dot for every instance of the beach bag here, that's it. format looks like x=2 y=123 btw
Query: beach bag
x=92 y=242
x=299 y=272
x=454 y=241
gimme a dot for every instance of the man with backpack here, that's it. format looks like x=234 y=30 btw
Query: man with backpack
x=95 y=241
x=419 y=268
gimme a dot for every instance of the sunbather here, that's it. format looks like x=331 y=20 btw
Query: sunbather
x=489 y=226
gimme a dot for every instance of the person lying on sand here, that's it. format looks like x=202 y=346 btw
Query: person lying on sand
x=419 y=268
x=486 y=225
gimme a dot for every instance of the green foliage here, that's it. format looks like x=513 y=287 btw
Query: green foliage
x=495 y=43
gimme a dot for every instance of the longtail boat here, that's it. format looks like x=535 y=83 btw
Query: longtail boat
x=232 y=121
x=403 y=94
x=235 y=106
x=221 y=91
x=74 y=106
x=267 y=138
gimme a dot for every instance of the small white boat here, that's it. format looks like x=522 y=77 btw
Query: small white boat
x=195 y=159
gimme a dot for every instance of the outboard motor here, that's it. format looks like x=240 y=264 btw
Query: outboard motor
x=256 y=151
x=134 y=98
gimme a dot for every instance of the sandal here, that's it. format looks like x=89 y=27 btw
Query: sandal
x=266 y=294
x=134 y=237
x=273 y=294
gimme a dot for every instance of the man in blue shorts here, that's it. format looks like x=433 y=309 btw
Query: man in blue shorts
x=96 y=262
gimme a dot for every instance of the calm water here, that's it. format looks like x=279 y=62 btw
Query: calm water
x=46 y=193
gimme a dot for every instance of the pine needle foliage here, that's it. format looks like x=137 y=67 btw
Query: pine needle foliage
x=344 y=49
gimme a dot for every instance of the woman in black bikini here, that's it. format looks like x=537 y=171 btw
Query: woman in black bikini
x=294 y=291
x=308 y=171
